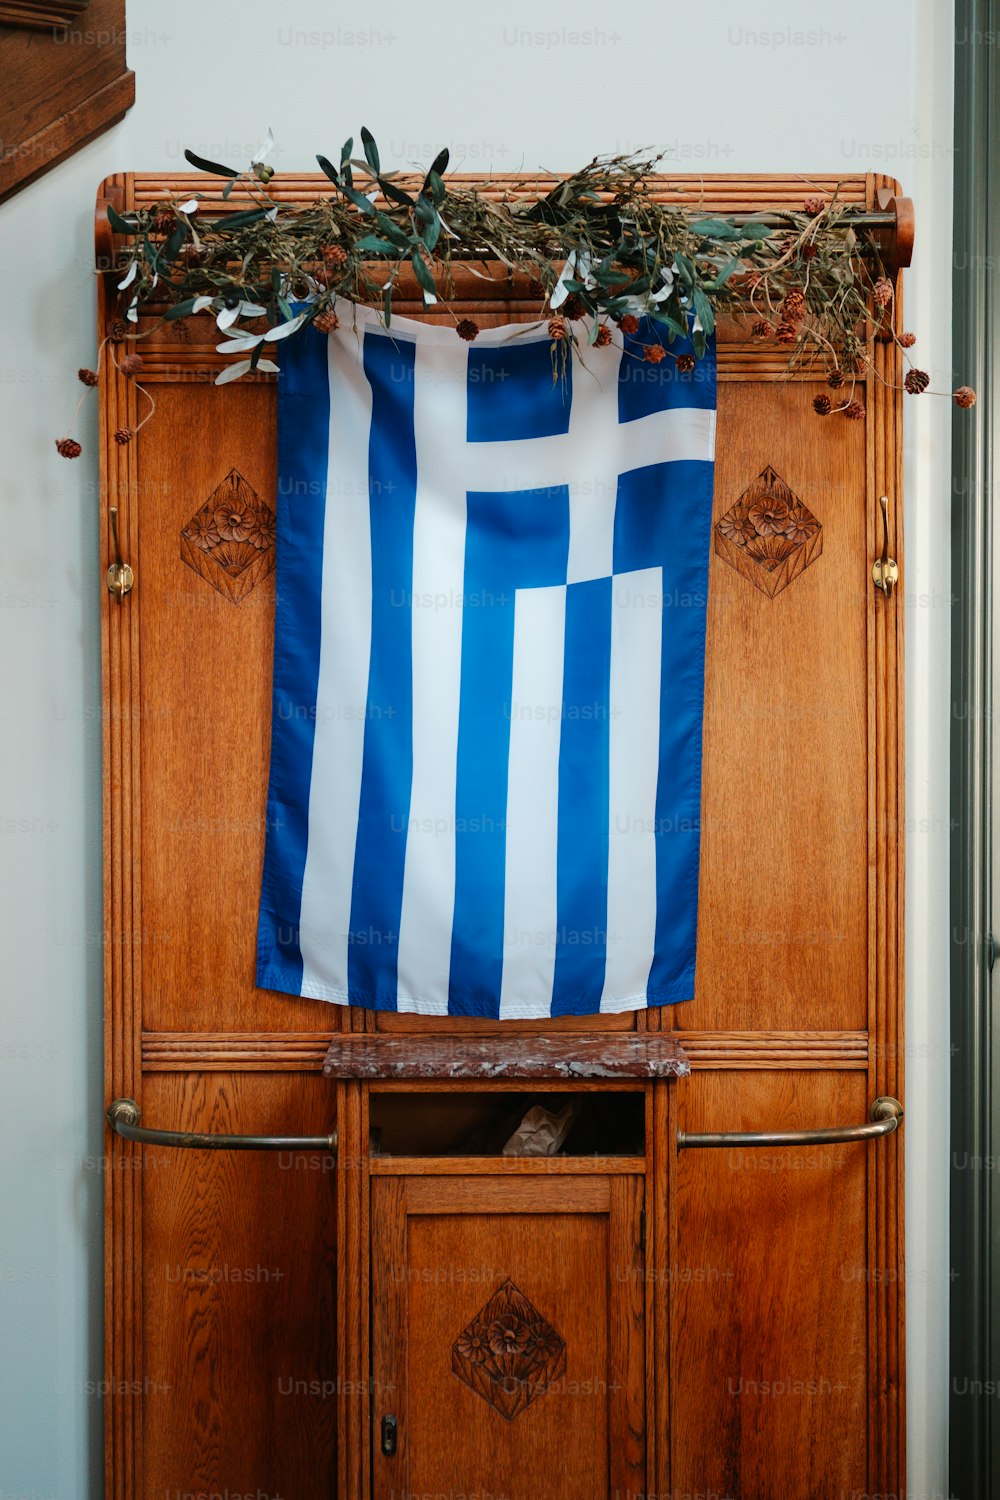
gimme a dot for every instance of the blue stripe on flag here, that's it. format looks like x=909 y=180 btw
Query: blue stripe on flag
x=644 y=388
x=303 y=442
x=387 y=760
x=584 y=753
x=517 y=539
x=664 y=516
x=511 y=393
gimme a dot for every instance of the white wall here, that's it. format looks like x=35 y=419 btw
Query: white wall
x=726 y=87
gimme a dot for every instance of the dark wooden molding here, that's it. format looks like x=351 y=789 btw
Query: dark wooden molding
x=42 y=14
x=638 y=1055
x=65 y=82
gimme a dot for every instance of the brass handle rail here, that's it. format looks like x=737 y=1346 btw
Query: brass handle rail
x=124 y=1117
x=885 y=1116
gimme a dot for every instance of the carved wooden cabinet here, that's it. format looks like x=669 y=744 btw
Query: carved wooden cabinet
x=636 y=1316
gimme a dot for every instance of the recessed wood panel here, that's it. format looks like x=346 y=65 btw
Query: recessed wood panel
x=769 y=1278
x=782 y=931
x=239 y=1328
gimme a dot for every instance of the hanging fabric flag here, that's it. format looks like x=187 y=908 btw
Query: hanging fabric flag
x=485 y=778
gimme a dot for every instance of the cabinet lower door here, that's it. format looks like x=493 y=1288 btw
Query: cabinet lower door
x=508 y=1342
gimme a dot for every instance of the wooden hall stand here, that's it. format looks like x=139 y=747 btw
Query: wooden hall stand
x=302 y=1318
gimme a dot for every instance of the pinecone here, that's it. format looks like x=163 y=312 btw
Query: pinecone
x=557 y=328
x=814 y=205
x=326 y=321
x=855 y=411
x=117 y=330
x=131 y=364
x=654 y=353
x=335 y=255
x=68 y=447
x=88 y=377
x=965 y=396
x=163 y=221
x=916 y=381
x=822 y=406
x=907 y=340
x=573 y=307
x=603 y=337
x=883 y=291
x=124 y=435
x=786 y=333
x=794 y=306
x=835 y=379
x=761 y=329
x=467 y=329
x=809 y=251
x=630 y=323
x=685 y=363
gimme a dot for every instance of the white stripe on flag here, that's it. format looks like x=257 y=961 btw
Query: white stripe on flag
x=684 y=432
x=439 y=418
x=342 y=690
x=634 y=753
x=593 y=480
x=530 y=909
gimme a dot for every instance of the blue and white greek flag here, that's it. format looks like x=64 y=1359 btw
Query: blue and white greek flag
x=485 y=783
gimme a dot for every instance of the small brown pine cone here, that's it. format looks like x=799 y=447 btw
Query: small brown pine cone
x=603 y=337
x=630 y=323
x=786 y=333
x=573 y=307
x=916 y=381
x=855 y=411
x=335 y=255
x=117 y=330
x=907 y=340
x=124 y=435
x=761 y=329
x=835 y=379
x=88 y=377
x=326 y=321
x=809 y=251
x=467 y=329
x=814 y=205
x=794 y=306
x=131 y=364
x=883 y=291
x=654 y=353
x=685 y=363
x=163 y=221
x=557 y=328
x=822 y=406
x=68 y=447
x=965 y=396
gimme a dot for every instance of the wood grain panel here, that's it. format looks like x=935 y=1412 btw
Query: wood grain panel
x=240 y=1391
x=784 y=879
x=769 y=1277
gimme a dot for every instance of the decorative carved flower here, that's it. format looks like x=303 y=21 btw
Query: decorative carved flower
x=472 y=1344
x=265 y=534
x=738 y=528
x=236 y=522
x=801 y=526
x=203 y=531
x=769 y=516
x=509 y=1334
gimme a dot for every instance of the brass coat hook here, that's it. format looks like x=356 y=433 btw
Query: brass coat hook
x=885 y=569
x=119 y=577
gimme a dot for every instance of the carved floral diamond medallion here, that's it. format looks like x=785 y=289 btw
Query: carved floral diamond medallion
x=230 y=542
x=769 y=535
x=509 y=1354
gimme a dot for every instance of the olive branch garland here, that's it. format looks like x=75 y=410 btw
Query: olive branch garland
x=598 y=245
